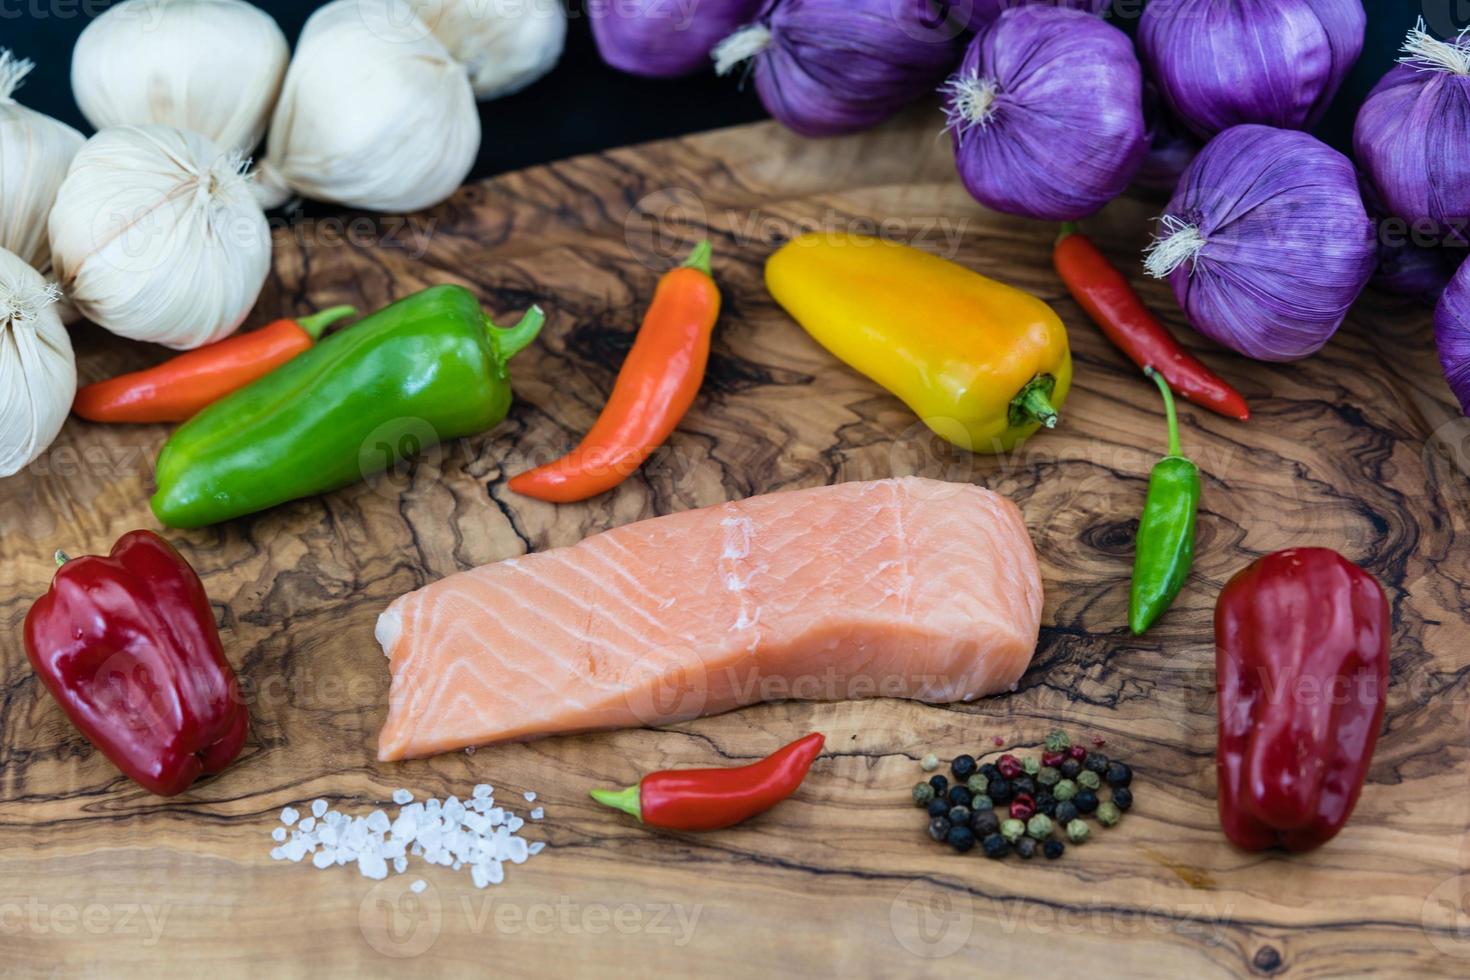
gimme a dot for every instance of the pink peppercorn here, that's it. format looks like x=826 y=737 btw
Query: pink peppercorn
x=1023 y=807
x=1052 y=759
x=1010 y=767
x=1078 y=752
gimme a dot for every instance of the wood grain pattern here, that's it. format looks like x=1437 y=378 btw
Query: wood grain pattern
x=1360 y=449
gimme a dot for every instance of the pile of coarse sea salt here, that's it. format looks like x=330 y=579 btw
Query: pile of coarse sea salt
x=451 y=832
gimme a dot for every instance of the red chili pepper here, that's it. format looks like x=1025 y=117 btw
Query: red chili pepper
x=180 y=387
x=709 y=799
x=1106 y=296
x=128 y=647
x=1301 y=661
x=655 y=387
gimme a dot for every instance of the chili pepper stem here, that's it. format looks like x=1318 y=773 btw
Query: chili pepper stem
x=1175 y=448
x=314 y=325
x=1069 y=228
x=61 y=557
x=510 y=341
x=699 y=258
x=628 y=800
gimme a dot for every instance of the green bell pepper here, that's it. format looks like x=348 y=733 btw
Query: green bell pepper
x=427 y=368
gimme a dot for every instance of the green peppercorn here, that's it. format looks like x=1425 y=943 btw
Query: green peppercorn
x=1048 y=776
x=930 y=763
x=1064 y=790
x=1077 y=831
x=1012 y=830
x=1031 y=764
x=1058 y=741
x=977 y=784
x=981 y=802
x=1089 y=779
x=1039 y=826
x=1108 y=814
x=923 y=793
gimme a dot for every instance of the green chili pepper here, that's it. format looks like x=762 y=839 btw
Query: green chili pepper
x=427 y=368
x=1165 y=546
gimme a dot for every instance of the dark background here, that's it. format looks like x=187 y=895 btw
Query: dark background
x=583 y=105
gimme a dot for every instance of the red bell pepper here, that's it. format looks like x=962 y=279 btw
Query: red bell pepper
x=128 y=647
x=711 y=799
x=1301 y=662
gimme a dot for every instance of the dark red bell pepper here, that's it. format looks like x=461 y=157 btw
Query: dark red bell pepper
x=710 y=799
x=1301 y=662
x=128 y=647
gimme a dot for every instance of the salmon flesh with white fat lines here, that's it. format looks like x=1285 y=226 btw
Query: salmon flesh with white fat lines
x=906 y=588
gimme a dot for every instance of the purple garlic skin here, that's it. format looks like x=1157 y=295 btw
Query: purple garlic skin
x=1266 y=243
x=1046 y=114
x=980 y=14
x=828 y=67
x=1222 y=63
x=664 y=38
x=1452 y=335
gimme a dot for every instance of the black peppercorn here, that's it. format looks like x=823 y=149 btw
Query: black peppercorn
x=1001 y=792
x=938 y=807
x=1066 y=812
x=1023 y=784
x=1069 y=768
x=1046 y=803
x=959 y=796
x=1122 y=797
x=1086 y=800
x=984 y=823
x=1053 y=849
x=1118 y=774
x=1026 y=847
x=939 y=828
x=963 y=767
x=1095 y=762
x=959 y=816
x=989 y=771
x=961 y=839
x=996 y=846
x=940 y=784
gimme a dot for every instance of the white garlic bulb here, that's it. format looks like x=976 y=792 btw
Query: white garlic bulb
x=505 y=45
x=213 y=66
x=156 y=235
x=35 y=151
x=38 y=372
x=374 y=113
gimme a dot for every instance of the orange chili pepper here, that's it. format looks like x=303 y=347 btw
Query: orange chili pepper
x=177 y=389
x=655 y=387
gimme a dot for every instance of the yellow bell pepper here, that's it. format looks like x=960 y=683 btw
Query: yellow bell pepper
x=983 y=364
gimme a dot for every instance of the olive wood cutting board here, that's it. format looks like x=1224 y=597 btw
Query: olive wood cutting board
x=1360 y=448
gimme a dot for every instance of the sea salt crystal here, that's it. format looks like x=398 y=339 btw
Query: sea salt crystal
x=372 y=866
x=538 y=813
x=307 y=825
x=400 y=865
x=318 y=807
x=536 y=847
x=514 y=824
x=323 y=859
x=418 y=886
x=530 y=796
x=289 y=815
x=402 y=796
x=279 y=834
x=483 y=790
x=378 y=822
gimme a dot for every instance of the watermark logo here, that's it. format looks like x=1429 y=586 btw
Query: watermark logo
x=931 y=922
x=399 y=922
x=394 y=450
x=1445 y=916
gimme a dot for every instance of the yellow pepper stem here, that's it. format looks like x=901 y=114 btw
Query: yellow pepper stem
x=1033 y=404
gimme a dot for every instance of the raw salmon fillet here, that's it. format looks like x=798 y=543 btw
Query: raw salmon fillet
x=904 y=588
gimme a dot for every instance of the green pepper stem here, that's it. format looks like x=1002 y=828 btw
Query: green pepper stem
x=510 y=341
x=1069 y=228
x=314 y=325
x=628 y=800
x=61 y=557
x=1174 y=446
x=699 y=258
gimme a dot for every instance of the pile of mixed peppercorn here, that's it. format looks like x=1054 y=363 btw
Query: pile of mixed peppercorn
x=1056 y=791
